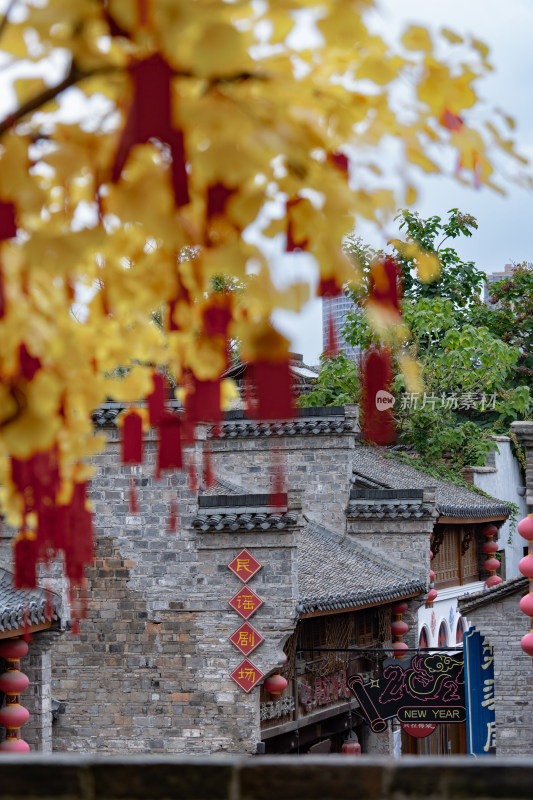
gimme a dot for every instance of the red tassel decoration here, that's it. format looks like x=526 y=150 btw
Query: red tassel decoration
x=209 y=475
x=293 y=246
x=331 y=345
x=385 y=284
x=2 y=295
x=173 y=517
x=169 y=453
x=218 y=315
x=25 y=561
x=156 y=400
x=134 y=505
x=218 y=195
x=278 y=498
x=377 y=403
x=149 y=117
x=339 y=160
x=8 y=222
x=28 y=364
x=79 y=548
x=132 y=438
x=192 y=481
x=144 y=13
x=202 y=403
x=274 y=393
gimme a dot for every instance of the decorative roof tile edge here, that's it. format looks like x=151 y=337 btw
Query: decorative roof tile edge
x=307 y=605
x=215 y=523
x=30 y=608
x=107 y=412
x=469 y=602
x=404 y=510
x=291 y=427
x=488 y=511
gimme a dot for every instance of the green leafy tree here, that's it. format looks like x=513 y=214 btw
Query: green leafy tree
x=338 y=383
x=475 y=360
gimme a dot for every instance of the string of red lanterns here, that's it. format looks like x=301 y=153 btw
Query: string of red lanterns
x=12 y=682
x=398 y=629
x=490 y=547
x=525 y=529
x=432 y=594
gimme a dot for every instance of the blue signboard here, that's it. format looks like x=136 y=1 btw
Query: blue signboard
x=479 y=694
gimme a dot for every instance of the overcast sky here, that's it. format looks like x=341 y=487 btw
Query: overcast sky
x=505 y=224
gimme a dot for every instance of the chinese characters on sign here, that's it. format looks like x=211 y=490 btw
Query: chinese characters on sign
x=245 y=602
x=450 y=400
x=479 y=687
x=244 y=566
x=324 y=691
x=246 y=639
x=246 y=675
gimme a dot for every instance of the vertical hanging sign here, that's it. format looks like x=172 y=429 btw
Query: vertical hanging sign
x=479 y=694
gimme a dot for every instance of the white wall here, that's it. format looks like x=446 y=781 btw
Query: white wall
x=501 y=478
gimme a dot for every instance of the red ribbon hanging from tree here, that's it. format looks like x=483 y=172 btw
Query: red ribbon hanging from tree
x=378 y=424
x=150 y=117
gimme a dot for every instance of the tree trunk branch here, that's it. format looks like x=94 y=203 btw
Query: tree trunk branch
x=74 y=76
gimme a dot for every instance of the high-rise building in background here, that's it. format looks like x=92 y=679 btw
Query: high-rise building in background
x=336 y=308
x=495 y=277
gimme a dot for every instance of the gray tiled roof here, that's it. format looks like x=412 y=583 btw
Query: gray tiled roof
x=336 y=573
x=470 y=602
x=306 y=426
x=371 y=465
x=18 y=607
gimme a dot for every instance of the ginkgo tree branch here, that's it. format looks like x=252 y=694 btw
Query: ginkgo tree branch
x=74 y=76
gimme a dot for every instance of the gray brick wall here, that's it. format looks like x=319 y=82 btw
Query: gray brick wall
x=149 y=671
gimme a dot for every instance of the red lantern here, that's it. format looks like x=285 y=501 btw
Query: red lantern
x=14 y=746
x=525 y=528
x=526 y=605
x=494 y=580
x=13 y=649
x=489 y=531
x=399 y=627
x=399 y=608
x=527 y=644
x=491 y=564
x=13 y=682
x=351 y=747
x=275 y=684
x=525 y=565
x=13 y=716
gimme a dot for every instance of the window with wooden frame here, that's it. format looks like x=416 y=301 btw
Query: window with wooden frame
x=455 y=555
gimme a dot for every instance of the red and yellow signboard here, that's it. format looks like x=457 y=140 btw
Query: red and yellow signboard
x=245 y=602
x=247 y=675
x=244 y=566
x=246 y=638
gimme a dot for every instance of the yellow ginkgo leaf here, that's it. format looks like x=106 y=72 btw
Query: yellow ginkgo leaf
x=416 y=38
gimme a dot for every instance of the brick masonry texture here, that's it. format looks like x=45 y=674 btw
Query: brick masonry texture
x=283 y=777
x=150 y=669
x=320 y=466
x=503 y=624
